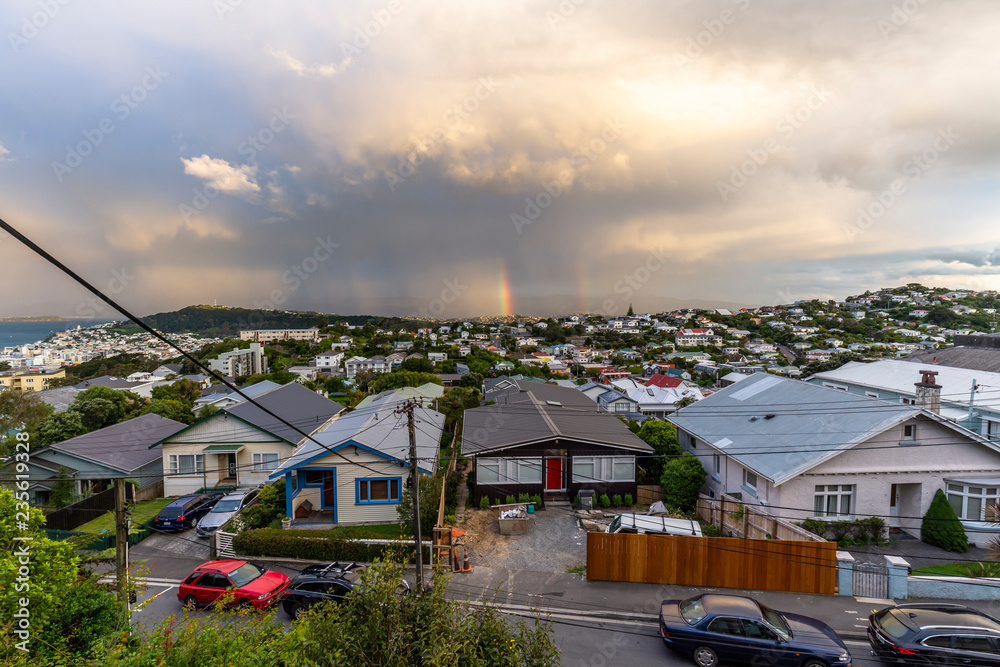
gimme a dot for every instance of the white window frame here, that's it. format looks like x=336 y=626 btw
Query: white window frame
x=913 y=432
x=907 y=401
x=173 y=463
x=260 y=465
x=604 y=468
x=962 y=492
x=509 y=469
x=823 y=493
x=747 y=474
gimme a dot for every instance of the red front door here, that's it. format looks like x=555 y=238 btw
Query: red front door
x=553 y=474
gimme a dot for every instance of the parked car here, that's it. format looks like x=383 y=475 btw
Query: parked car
x=224 y=510
x=327 y=581
x=654 y=525
x=184 y=512
x=252 y=586
x=935 y=633
x=714 y=628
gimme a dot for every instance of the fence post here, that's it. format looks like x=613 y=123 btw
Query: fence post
x=845 y=573
x=898 y=570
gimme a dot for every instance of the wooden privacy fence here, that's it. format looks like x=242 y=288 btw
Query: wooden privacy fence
x=722 y=562
x=150 y=492
x=736 y=519
x=647 y=494
x=88 y=509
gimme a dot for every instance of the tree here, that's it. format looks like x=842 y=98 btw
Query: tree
x=455 y=402
x=399 y=378
x=21 y=412
x=474 y=380
x=836 y=361
x=206 y=411
x=682 y=479
x=64 y=489
x=418 y=365
x=364 y=378
x=336 y=385
x=662 y=437
x=103 y=406
x=171 y=409
x=630 y=311
x=4 y=366
x=60 y=426
x=182 y=390
x=941 y=526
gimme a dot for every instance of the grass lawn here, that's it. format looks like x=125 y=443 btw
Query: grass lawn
x=144 y=511
x=947 y=569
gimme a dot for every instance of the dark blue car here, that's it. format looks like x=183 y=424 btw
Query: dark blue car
x=714 y=628
x=184 y=512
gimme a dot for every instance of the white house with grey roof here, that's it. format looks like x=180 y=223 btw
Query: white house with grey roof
x=804 y=450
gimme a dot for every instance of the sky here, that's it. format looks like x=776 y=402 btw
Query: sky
x=487 y=158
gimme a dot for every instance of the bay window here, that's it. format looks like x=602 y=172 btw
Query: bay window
x=970 y=500
x=833 y=500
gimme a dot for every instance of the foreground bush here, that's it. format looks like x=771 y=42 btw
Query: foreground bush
x=941 y=526
x=683 y=477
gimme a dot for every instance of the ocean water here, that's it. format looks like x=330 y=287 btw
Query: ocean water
x=23 y=333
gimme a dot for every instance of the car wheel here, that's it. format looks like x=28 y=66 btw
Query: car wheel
x=705 y=656
x=814 y=663
x=245 y=605
x=191 y=603
x=296 y=611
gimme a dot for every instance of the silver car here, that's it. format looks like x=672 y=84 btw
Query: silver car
x=224 y=511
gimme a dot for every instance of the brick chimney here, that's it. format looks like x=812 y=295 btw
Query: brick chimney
x=928 y=392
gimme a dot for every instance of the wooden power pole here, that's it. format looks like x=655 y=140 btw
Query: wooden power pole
x=121 y=541
x=415 y=487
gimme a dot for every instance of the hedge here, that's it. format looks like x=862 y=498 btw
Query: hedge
x=288 y=544
x=941 y=526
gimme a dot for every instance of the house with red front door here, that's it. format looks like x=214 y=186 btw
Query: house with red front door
x=554 y=441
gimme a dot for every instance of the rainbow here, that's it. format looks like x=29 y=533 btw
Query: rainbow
x=505 y=309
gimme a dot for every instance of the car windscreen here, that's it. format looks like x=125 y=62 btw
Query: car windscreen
x=226 y=506
x=171 y=512
x=244 y=574
x=776 y=620
x=892 y=626
x=692 y=610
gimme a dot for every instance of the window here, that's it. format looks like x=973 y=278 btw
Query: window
x=187 y=464
x=871 y=394
x=604 y=469
x=909 y=432
x=907 y=401
x=973 y=643
x=529 y=471
x=940 y=641
x=691 y=609
x=313 y=477
x=991 y=430
x=509 y=471
x=375 y=490
x=726 y=626
x=717 y=463
x=488 y=471
x=833 y=500
x=750 y=480
x=265 y=461
x=758 y=630
x=971 y=502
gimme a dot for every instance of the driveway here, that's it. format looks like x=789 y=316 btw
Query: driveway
x=554 y=541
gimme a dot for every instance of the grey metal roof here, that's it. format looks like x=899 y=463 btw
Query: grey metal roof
x=975 y=358
x=302 y=407
x=381 y=431
x=59 y=398
x=125 y=446
x=809 y=423
x=531 y=412
x=107 y=381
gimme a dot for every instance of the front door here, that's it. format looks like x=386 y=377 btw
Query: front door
x=894 y=506
x=554 y=474
x=329 y=490
x=231 y=465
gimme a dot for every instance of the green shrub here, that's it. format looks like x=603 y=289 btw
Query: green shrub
x=450 y=519
x=842 y=530
x=576 y=500
x=816 y=526
x=628 y=500
x=268 y=542
x=484 y=503
x=616 y=500
x=941 y=526
x=498 y=501
x=605 y=501
x=710 y=531
x=511 y=500
x=523 y=498
x=871 y=530
x=682 y=479
x=536 y=499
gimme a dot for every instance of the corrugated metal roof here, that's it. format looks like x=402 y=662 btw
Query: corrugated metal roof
x=125 y=446
x=810 y=423
x=383 y=432
x=530 y=412
x=302 y=407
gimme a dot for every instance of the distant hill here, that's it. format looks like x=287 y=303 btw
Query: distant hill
x=228 y=322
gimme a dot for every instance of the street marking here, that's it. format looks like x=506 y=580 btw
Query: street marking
x=850 y=611
x=136 y=611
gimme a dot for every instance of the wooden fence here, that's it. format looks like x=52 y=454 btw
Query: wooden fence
x=88 y=509
x=647 y=494
x=736 y=519
x=150 y=492
x=720 y=562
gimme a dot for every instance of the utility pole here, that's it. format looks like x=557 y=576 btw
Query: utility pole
x=415 y=486
x=121 y=541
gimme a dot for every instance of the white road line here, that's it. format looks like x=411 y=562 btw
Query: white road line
x=136 y=611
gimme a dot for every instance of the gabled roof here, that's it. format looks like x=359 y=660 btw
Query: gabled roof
x=661 y=380
x=531 y=412
x=125 y=446
x=780 y=427
x=381 y=432
x=294 y=403
x=253 y=390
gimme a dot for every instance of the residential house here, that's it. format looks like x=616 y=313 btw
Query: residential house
x=426 y=395
x=221 y=396
x=29 y=381
x=811 y=451
x=617 y=402
x=241 y=362
x=376 y=364
x=354 y=470
x=244 y=443
x=93 y=460
x=329 y=362
x=549 y=440
x=695 y=337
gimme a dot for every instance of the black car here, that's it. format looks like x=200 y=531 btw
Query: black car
x=714 y=628
x=326 y=581
x=183 y=512
x=935 y=633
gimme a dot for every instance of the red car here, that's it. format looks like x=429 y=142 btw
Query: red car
x=252 y=587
